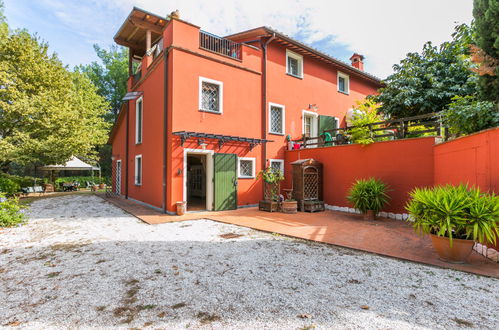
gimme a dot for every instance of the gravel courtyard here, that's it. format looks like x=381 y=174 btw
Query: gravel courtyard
x=82 y=263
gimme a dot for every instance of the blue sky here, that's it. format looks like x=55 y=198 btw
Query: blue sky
x=383 y=30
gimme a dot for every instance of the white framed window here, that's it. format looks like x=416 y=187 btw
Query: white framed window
x=246 y=167
x=343 y=83
x=138 y=170
x=277 y=115
x=210 y=95
x=139 y=109
x=277 y=165
x=310 y=123
x=294 y=64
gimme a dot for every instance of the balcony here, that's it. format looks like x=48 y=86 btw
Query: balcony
x=218 y=45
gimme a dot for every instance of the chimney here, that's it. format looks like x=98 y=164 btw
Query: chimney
x=357 y=61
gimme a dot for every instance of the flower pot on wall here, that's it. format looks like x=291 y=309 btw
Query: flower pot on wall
x=460 y=250
x=102 y=185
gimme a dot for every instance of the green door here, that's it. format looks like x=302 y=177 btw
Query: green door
x=225 y=182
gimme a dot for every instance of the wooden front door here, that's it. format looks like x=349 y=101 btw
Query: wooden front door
x=225 y=182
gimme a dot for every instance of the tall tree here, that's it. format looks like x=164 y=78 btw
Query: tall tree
x=426 y=82
x=47 y=114
x=486 y=14
x=110 y=76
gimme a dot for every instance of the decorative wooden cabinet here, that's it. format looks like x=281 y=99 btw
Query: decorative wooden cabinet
x=307 y=185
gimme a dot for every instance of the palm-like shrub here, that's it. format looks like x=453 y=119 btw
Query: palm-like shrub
x=368 y=194
x=455 y=212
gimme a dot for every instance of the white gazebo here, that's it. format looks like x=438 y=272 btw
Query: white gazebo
x=74 y=164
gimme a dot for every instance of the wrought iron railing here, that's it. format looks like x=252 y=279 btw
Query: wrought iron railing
x=394 y=129
x=219 y=45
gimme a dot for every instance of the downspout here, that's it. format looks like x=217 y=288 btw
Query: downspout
x=126 y=147
x=166 y=52
x=264 y=101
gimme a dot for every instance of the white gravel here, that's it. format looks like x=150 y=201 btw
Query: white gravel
x=82 y=263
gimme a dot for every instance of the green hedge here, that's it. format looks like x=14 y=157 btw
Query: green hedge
x=83 y=180
x=10 y=211
x=10 y=184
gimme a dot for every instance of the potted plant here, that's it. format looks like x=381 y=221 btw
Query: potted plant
x=455 y=217
x=272 y=180
x=289 y=205
x=369 y=196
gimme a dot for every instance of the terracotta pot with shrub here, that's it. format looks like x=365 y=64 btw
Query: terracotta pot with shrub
x=369 y=196
x=455 y=217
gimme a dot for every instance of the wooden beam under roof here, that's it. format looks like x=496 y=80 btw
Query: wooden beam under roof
x=129 y=44
x=145 y=25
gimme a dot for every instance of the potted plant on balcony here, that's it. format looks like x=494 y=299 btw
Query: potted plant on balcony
x=455 y=217
x=272 y=180
x=369 y=196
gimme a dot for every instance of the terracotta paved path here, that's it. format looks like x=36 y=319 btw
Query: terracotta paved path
x=388 y=237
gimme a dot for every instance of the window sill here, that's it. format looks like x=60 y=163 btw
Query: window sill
x=210 y=111
x=292 y=75
x=280 y=134
x=138 y=184
x=138 y=143
x=246 y=177
x=346 y=93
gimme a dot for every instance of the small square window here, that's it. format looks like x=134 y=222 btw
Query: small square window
x=294 y=64
x=246 y=168
x=277 y=165
x=276 y=119
x=343 y=83
x=210 y=95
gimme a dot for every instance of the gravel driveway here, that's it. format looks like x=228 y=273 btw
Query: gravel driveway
x=80 y=262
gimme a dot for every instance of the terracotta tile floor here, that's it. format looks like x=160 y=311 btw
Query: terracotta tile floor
x=388 y=237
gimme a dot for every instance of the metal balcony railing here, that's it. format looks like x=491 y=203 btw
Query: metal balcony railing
x=423 y=125
x=219 y=45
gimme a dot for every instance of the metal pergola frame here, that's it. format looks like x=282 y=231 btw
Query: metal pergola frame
x=222 y=139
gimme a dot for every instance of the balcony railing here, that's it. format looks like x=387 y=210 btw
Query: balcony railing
x=219 y=45
x=423 y=125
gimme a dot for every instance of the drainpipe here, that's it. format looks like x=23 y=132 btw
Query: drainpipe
x=126 y=147
x=264 y=101
x=166 y=52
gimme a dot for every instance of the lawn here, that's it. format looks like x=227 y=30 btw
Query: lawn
x=82 y=262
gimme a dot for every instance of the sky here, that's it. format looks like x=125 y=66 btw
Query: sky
x=384 y=31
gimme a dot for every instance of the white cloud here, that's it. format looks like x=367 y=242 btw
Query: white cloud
x=383 y=30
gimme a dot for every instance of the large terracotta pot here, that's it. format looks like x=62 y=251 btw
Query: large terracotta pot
x=289 y=206
x=460 y=250
x=369 y=215
x=181 y=208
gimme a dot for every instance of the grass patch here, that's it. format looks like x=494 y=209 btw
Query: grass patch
x=205 y=318
x=179 y=305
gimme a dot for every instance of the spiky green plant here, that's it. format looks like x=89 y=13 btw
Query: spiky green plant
x=368 y=194
x=455 y=212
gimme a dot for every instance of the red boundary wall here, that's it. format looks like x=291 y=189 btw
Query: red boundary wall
x=406 y=164
x=473 y=159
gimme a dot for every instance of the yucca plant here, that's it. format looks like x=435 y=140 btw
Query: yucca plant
x=455 y=212
x=368 y=194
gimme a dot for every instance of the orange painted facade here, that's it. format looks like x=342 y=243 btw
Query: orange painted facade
x=251 y=83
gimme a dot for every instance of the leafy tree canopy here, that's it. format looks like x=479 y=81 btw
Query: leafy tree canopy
x=110 y=77
x=426 y=82
x=486 y=14
x=47 y=114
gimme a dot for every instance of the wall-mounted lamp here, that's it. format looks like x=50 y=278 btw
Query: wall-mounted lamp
x=202 y=144
x=313 y=107
x=179 y=171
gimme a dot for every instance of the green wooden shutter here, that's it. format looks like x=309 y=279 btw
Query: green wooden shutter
x=225 y=182
x=327 y=123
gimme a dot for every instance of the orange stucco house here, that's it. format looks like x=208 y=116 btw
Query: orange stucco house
x=204 y=114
